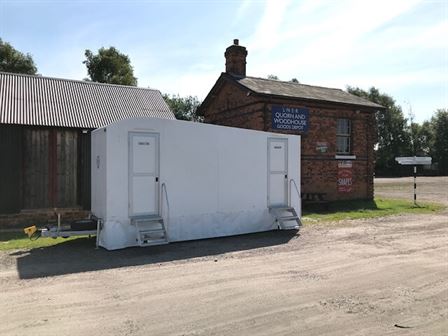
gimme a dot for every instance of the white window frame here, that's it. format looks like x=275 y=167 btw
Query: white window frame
x=344 y=135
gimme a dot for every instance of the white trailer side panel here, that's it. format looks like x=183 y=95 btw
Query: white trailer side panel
x=216 y=180
x=99 y=173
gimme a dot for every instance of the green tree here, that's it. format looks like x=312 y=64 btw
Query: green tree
x=275 y=77
x=439 y=124
x=110 y=66
x=12 y=60
x=393 y=136
x=422 y=138
x=184 y=108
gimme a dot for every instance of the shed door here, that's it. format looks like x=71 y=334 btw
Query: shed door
x=143 y=174
x=277 y=172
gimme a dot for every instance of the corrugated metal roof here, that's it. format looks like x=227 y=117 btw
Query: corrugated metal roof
x=45 y=101
x=295 y=90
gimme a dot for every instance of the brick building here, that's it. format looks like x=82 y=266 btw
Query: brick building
x=338 y=129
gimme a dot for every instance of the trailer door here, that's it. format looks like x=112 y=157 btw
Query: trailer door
x=143 y=174
x=277 y=171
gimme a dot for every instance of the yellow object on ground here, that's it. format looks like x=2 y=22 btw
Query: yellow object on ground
x=30 y=230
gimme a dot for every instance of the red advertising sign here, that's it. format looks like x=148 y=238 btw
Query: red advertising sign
x=345 y=180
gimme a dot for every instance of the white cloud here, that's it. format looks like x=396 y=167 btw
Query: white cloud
x=267 y=34
x=321 y=42
x=363 y=43
x=390 y=81
x=435 y=36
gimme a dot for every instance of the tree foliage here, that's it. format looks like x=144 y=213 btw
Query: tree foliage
x=275 y=77
x=110 y=66
x=184 y=108
x=439 y=123
x=393 y=136
x=12 y=60
x=422 y=138
x=398 y=138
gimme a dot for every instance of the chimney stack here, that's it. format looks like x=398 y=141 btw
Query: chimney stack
x=236 y=59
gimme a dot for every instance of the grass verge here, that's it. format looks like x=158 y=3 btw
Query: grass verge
x=19 y=241
x=343 y=210
x=337 y=211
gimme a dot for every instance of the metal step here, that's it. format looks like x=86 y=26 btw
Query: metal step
x=293 y=227
x=287 y=218
x=146 y=230
x=281 y=208
x=147 y=219
x=154 y=242
x=284 y=214
x=150 y=231
x=150 y=226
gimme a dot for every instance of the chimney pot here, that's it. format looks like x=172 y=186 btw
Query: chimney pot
x=236 y=59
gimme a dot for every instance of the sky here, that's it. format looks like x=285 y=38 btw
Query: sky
x=177 y=47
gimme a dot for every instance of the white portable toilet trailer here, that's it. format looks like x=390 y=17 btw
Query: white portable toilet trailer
x=156 y=181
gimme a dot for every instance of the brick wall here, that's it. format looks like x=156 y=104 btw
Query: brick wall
x=233 y=106
x=320 y=170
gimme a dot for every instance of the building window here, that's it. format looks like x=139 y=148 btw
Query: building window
x=343 y=136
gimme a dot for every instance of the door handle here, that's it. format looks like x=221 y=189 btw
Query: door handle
x=157 y=179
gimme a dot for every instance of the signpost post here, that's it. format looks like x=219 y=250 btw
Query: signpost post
x=414 y=161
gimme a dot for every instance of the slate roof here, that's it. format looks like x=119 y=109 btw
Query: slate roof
x=46 y=101
x=295 y=90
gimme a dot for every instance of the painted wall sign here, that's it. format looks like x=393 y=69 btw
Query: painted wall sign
x=321 y=147
x=344 y=164
x=345 y=177
x=290 y=118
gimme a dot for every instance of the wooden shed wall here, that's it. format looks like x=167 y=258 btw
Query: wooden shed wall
x=84 y=176
x=52 y=166
x=10 y=168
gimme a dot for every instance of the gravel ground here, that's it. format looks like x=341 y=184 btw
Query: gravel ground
x=386 y=276
x=432 y=189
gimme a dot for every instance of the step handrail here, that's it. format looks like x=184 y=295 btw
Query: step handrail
x=291 y=182
x=165 y=191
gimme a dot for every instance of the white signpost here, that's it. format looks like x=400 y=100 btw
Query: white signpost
x=414 y=161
